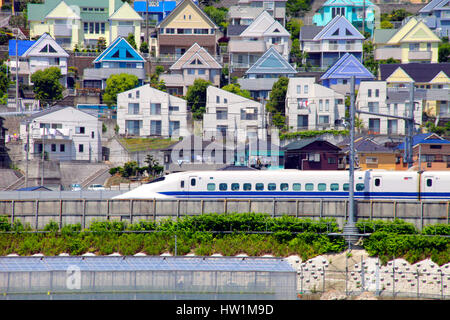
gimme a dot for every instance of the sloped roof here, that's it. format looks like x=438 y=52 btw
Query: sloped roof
x=346 y=67
x=365 y=144
x=425 y=138
x=119 y=50
x=383 y=35
x=235 y=29
x=300 y=144
x=264 y=24
x=196 y=52
x=38 y=188
x=351 y=3
x=419 y=72
x=271 y=62
x=180 y=6
x=22 y=47
x=46 y=37
x=339 y=28
x=434 y=4
x=309 y=32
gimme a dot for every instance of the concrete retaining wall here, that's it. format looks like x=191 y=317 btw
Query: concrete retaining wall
x=70 y=211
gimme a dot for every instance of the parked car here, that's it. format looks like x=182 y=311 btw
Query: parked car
x=75 y=187
x=96 y=187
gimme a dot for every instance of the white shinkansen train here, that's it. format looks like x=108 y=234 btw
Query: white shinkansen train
x=397 y=185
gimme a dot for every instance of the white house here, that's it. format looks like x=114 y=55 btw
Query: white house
x=65 y=133
x=38 y=55
x=311 y=106
x=146 y=111
x=231 y=115
x=376 y=97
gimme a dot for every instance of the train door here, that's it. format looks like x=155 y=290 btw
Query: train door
x=192 y=184
x=377 y=184
x=428 y=185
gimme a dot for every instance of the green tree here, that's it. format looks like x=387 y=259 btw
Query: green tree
x=155 y=82
x=47 y=87
x=444 y=50
x=293 y=26
x=386 y=25
x=196 y=97
x=101 y=44
x=117 y=83
x=218 y=15
x=296 y=54
x=131 y=40
x=236 y=89
x=276 y=103
x=144 y=47
x=295 y=7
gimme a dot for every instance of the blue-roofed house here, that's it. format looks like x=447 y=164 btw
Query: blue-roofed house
x=37 y=55
x=338 y=76
x=325 y=45
x=37 y=188
x=436 y=15
x=351 y=9
x=434 y=152
x=119 y=57
x=157 y=10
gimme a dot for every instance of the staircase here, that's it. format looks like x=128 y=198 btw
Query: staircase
x=89 y=180
x=19 y=183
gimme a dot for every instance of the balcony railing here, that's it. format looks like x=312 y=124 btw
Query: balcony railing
x=419 y=55
x=62 y=30
x=386 y=53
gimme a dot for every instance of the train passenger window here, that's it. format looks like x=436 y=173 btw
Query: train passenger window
x=296 y=186
x=223 y=187
x=334 y=186
x=182 y=184
x=377 y=182
x=360 y=187
x=271 y=186
x=309 y=186
x=211 y=186
x=429 y=182
x=322 y=186
x=193 y=181
x=259 y=186
x=235 y=186
x=345 y=187
x=247 y=186
x=284 y=187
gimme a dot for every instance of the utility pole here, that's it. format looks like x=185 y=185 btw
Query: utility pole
x=146 y=22
x=364 y=17
x=17 y=72
x=350 y=230
x=43 y=155
x=27 y=155
x=408 y=153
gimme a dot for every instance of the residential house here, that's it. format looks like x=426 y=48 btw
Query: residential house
x=37 y=55
x=185 y=25
x=338 y=76
x=430 y=152
x=311 y=106
x=436 y=15
x=376 y=97
x=196 y=153
x=145 y=111
x=368 y=154
x=311 y=154
x=412 y=42
x=261 y=76
x=64 y=133
x=119 y=57
x=436 y=106
x=325 y=45
x=232 y=116
x=82 y=22
x=248 y=43
x=153 y=11
x=423 y=75
x=246 y=11
x=5 y=160
x=355 y=11
x=195 y=63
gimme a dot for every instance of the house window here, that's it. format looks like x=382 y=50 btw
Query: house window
x=62 y=148
x=133 y=108
x=102 y=27
x=173 y=109
x=221 y=114
x=373 y=107
x=201 y=71
x=53 y=147
x=327 y=105
x=305 y=89
x=299 y=89
x=377 y=93
x=155 y=108
x=320 y=105
x=97 y=27
x=81 y=148
x=155 y=127
x=91 y=27
x=191 y=71
x=369 y=93
x=86 y=27
x=79 y=130
x=92 y=134
x=324 y=119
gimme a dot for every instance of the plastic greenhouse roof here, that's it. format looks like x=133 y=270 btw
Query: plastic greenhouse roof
x=146 y=263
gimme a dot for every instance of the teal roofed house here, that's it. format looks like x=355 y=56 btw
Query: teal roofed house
x=350 y=9
x=119 y=57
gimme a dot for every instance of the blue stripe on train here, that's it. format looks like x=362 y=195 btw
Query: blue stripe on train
x=287 y=194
